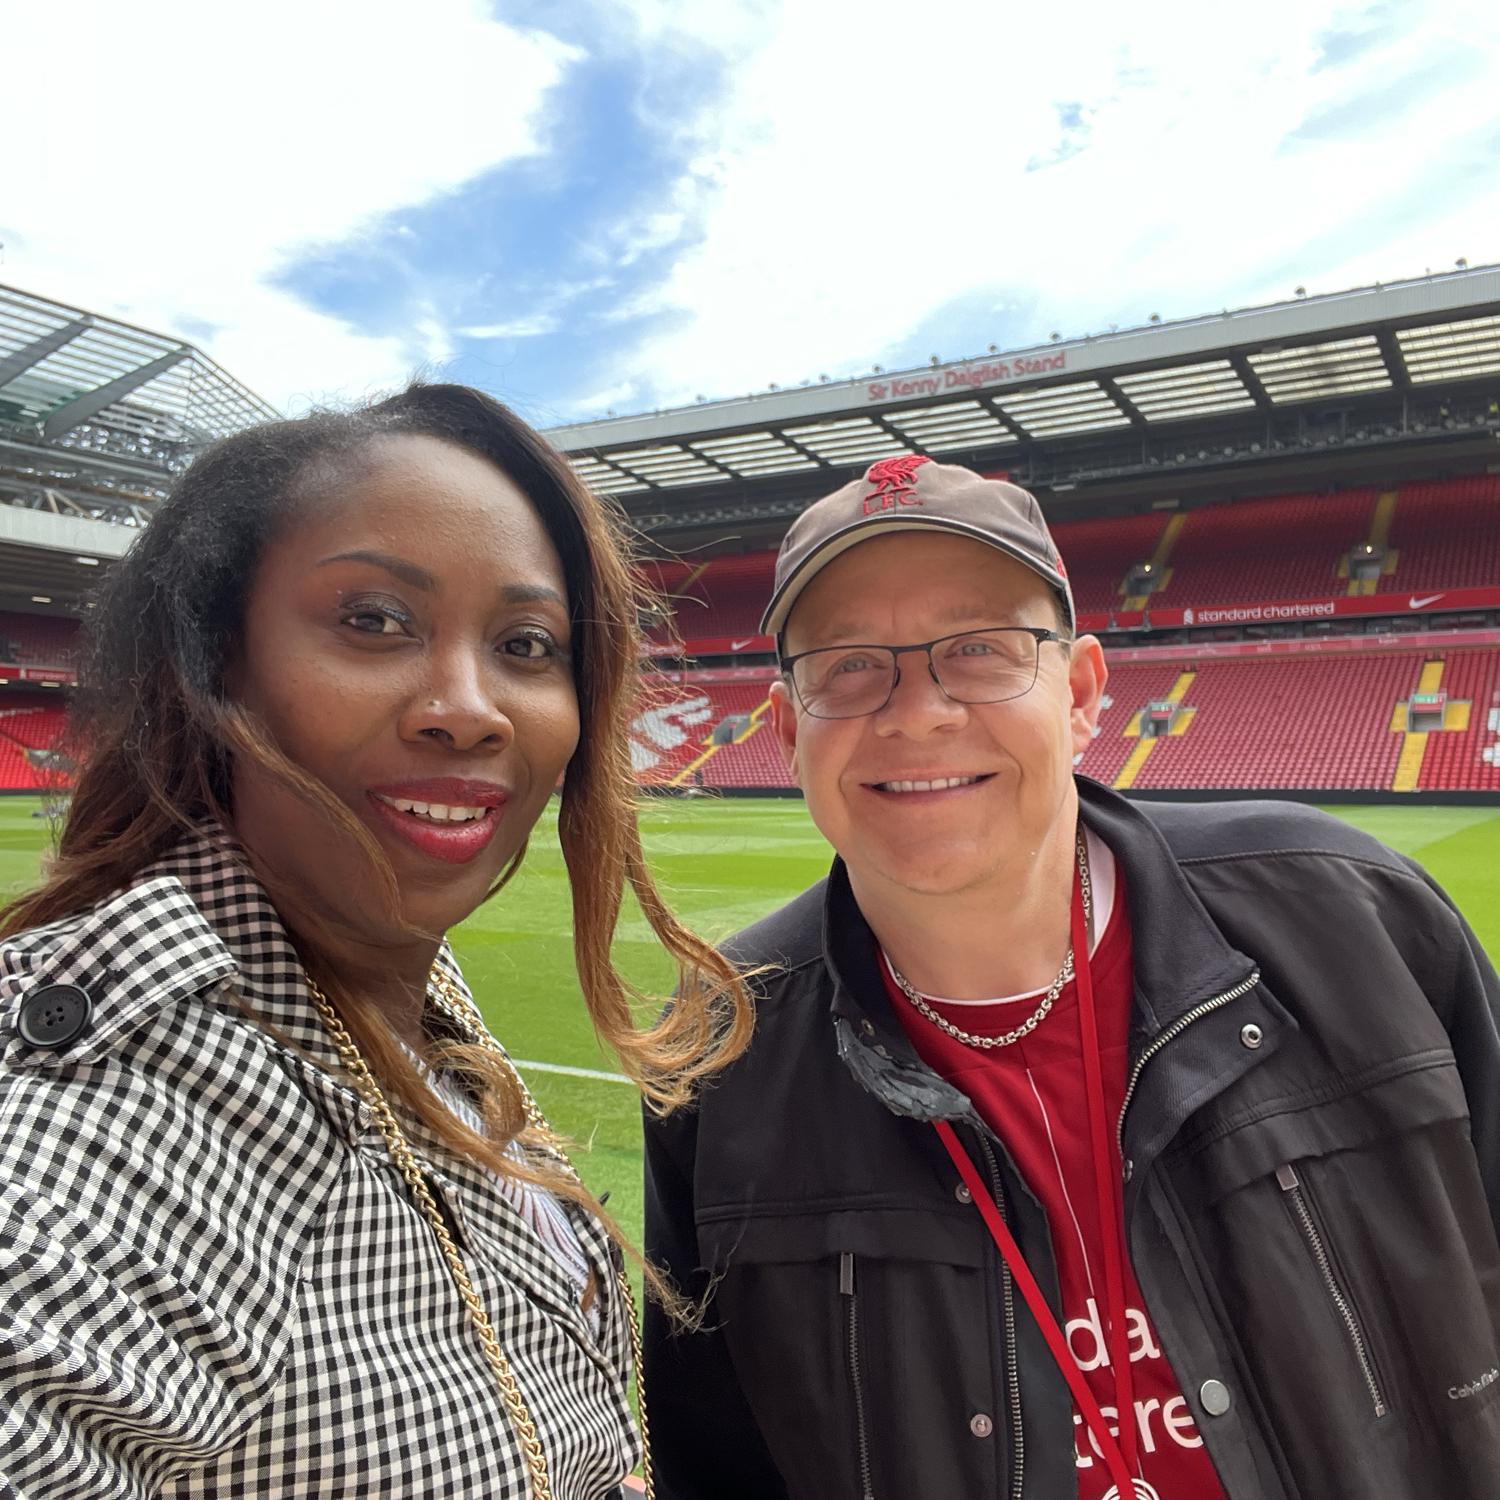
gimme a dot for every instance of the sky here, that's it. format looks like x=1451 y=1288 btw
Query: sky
x=595 y=206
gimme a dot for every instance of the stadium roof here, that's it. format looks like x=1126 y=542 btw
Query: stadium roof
x=96 y=417
x=74 y=380
x=1408 y=336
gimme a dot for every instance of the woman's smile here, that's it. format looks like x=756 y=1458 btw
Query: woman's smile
x=444 y=818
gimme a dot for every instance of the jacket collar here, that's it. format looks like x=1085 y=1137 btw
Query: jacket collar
x=1181 y=959
x=195 y=921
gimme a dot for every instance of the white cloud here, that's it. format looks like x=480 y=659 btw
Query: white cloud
x=529 y=327
x=860 y=178
x=595 y=403
x=170 y=159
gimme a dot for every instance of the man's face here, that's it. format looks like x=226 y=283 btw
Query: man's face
x=1015 y=758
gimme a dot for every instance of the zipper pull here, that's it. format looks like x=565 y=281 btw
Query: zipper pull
x=846 y=1273
x=1286 y=1178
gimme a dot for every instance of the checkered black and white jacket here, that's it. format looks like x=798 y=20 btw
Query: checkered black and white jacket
x=213 y=1281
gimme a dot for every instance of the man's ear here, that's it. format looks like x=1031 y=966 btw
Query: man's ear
x=1087 y=675
x=784 y=725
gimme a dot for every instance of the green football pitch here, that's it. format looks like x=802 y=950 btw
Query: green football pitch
x=722 y=864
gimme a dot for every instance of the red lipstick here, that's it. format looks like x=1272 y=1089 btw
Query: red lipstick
x=403 y=806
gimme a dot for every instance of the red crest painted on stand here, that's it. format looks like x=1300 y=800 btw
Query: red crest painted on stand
x=893 y=480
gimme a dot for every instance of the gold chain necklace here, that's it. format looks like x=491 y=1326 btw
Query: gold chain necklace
x=460 y=1009
x=1035 y=1019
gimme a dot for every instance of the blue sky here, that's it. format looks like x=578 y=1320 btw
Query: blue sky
x=619 y=205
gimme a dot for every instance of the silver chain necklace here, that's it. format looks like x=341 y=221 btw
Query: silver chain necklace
x=1035 y=1019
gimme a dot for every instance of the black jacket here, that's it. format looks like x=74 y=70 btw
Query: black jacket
x=1304 y=999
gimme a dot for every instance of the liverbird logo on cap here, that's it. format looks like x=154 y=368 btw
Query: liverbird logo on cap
x=893 y=479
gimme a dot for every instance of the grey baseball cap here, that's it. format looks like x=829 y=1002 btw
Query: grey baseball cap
x=912 y=493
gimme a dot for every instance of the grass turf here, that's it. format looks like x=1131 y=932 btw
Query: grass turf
x=722 y=864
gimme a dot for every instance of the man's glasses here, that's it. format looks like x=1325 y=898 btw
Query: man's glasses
x=975 y=666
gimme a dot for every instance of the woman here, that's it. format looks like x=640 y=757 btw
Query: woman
x=276 y=1215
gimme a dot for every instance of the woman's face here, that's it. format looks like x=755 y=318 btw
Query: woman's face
x=407 y=643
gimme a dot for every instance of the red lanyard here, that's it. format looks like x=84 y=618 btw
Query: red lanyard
x=1121 y=1456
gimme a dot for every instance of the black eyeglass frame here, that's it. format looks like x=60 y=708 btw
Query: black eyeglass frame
x=1039 y=633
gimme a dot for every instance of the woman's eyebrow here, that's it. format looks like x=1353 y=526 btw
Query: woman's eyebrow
x=407 y=572
x=531 y=593
x=419 y=578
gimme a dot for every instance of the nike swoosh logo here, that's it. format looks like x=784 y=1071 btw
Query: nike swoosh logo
x=740 y=645
x=1423 y=602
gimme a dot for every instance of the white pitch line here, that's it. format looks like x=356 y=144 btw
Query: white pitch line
x=541 y=1067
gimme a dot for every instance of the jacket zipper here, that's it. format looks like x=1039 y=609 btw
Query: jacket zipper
x=856 y=1376
x=1172 y=1032
x=1287 y=1180
x=1012 y=1359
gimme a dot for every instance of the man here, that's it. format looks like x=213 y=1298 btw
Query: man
x=1083 y=1148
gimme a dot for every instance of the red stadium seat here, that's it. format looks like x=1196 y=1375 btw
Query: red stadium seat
x=1446 y=536
x=28 y=721
x=1286 y=547
x=38 y=640
x=1467 y=760
x=1099 y=553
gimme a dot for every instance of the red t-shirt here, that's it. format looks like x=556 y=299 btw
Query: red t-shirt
x=1031 y=1094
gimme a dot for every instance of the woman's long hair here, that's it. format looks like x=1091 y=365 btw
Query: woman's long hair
x=157 y=734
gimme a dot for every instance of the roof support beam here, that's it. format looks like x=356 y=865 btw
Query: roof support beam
x=1110 y=387
x=34 y=353
x=1008 y=422
x=895 y=434
x=1251 y=381
x=87 y=406
x=1395 y=361
x=792 y=442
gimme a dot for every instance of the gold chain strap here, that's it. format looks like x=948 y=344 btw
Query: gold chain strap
x=460 y=1009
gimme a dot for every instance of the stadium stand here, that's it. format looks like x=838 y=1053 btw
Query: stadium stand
x=1130 y=687
x=1298 y=721
x=668 y=728
x=1099 y=553
x=1281 y=723
x=41 y=640
x=1467 y=759
x=35 y=723
x=1446 y=536
x=1292 y=723
x=725 y=598
x=750 y=763
x=1241 y=458
x=673 y=731
x=1283 y=547
x=28 y=722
